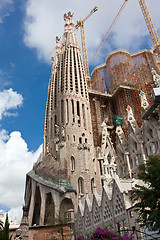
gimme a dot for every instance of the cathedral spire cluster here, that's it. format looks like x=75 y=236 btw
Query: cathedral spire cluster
x=93 y=142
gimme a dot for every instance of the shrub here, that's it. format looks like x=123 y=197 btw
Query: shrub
x=106 y=234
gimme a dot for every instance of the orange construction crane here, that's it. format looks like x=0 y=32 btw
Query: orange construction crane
x=148 y=21
x=150 y=25
x=80 y=24
x=115 y=20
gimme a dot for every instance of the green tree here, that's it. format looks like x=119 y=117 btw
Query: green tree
x=4 y=232
x=147 y=197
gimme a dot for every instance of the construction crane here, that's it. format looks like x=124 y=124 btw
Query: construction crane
x=149 y=22
x=115 y=20
x=80 y=24
x=52 y=50
x=150 y=26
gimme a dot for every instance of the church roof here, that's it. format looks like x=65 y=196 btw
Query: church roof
x=50 y=184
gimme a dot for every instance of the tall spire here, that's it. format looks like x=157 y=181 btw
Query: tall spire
x=68 y=138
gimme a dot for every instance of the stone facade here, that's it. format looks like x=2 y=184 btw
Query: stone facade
x=93 y=143
x=45 y=232
x=111 y=208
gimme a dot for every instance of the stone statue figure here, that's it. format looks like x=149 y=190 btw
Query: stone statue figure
x=63 y=132
x=57 y=130
x=58 y=44
x=70 y=16
x=144 y=102
x=52 y=58
x=129 y=112
x=18 y=234
x=156 y=77
x=53 y=63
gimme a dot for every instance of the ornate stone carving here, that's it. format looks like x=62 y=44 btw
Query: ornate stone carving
x=58 y=44
x=63 y=134
x=144 y=102
x=70 y=17
x=83 y=146
x=156 y=78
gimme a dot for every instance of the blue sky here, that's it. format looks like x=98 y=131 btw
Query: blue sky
x=22 y=72
x=28 y=29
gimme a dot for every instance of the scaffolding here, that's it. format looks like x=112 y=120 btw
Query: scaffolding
x=122 y=68
x=118 y=83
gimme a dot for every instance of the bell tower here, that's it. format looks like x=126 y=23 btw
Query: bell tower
x=68 y=149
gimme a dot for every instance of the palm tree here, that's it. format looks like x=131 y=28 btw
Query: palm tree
x=1 y=224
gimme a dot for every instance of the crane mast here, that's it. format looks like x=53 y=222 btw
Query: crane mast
x=84 y=50
x=80 y=24
x=115 y=20
x=150 y=26
x=149 y=23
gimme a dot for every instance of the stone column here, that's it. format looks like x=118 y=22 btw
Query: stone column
x=43 y=205
x=56 y=200
x=32 y=203
x=142 y=151
x=128 y=163
x=98 y=114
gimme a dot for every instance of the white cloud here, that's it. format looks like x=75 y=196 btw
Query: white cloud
x=5 y=8
x=45 y=20
x=9 y=100
x=3 y=79
x=15 y=158
x=15 y=161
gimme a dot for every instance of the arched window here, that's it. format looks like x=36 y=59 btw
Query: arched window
x=72 y=163
x=37 y=207
x=109 y=158
x=67 y=209
x=80 y=185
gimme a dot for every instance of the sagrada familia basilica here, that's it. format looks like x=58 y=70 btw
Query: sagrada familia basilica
x=94 y=138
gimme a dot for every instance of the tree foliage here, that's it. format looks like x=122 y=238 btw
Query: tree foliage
x=147 y=197
x=104 y=234
x=4 y=232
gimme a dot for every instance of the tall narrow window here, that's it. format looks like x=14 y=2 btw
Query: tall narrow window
x=62 y=72
x=73 y=110
x=62 y=111
x=55 y=91
x=102 y=183
x=151 y=132
x=100 y=167
x=84 y=117
x=66 y=77
x=55 y=123
x=80 y=185
x=75 y=70
x=72 y=163
x=136 y=145
x=78 y=112
x=109 y=158
x=67 y=120
x=92 y=185
x=51 y=126
x=80 y=74
x=71 y=80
